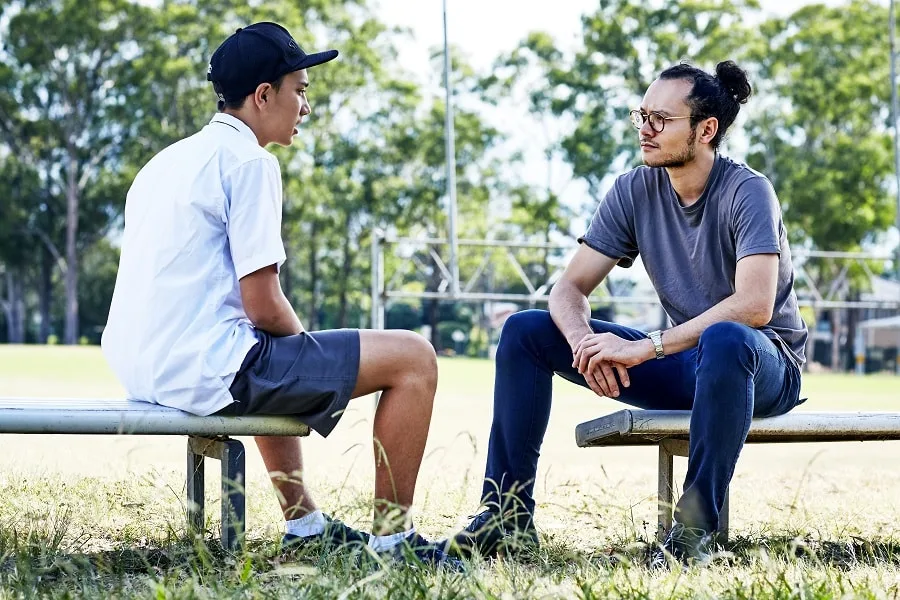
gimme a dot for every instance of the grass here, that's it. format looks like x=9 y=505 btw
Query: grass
x=101 y=516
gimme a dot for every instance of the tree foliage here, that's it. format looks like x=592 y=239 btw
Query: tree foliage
x=90 y=91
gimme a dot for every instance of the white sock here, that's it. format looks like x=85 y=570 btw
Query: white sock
x=380 y=543
x=311 y=524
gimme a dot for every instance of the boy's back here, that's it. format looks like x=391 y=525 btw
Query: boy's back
x=177 y=331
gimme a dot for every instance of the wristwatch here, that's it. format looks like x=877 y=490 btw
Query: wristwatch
x=656 y=338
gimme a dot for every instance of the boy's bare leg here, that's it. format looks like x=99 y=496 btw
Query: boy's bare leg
x=403 y=366
x=284 y=463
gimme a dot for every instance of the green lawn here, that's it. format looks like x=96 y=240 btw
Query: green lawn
x=81 y=371
x=100 y=516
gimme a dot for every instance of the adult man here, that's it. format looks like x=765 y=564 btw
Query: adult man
x=710 y=235
x=199 y=321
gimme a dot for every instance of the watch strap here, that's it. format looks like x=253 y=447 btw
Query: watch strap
x=656 y=338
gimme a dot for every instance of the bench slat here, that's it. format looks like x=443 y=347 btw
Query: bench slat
x=116 y=416
x=84 y=404
x=646 y=427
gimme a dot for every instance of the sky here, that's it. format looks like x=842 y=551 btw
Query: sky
x=484 y=29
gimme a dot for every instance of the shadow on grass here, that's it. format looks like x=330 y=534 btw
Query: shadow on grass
x=33 y=562
x=841 y=555
x=38 y=562
x=745 y=551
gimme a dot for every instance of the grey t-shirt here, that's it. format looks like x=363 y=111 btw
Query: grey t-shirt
x=691 y=253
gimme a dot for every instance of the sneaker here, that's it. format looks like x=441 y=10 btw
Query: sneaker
x=337 y=535
x=416 y=549
x=490 y=533
x=685 y=545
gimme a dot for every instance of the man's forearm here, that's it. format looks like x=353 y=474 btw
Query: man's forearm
x=571 y=311
x=687 y=335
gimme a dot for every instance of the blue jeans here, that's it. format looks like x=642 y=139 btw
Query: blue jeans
x=733 y=374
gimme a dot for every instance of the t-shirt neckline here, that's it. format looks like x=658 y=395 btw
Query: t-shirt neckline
x=701 y=201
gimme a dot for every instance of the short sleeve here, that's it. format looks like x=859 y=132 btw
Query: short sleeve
x=756 y=219
x=612 y=231
x=253 y=216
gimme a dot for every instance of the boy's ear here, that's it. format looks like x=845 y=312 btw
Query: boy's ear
x=261 y=94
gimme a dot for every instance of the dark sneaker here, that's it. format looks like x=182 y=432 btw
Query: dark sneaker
x=337 y=535
x=416 y=549
x=490 y=533
x=685 y=546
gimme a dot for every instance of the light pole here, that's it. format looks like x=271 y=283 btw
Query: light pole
x=451 y=166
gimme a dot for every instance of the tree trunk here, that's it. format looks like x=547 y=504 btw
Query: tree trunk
x=45 y=288
x=14 y=307
x=286 y=276
x=346 y=268
x=71 y=331
x=19 y=304
x=850 y=341
x=313 y=279
x=810 y=346
x=836 y=326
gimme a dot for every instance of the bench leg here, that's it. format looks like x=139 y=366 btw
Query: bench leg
x=665 y=495
x=231 y=454
x=195 y=491
x=666 y=483
x=666 y=491
x=233 y=498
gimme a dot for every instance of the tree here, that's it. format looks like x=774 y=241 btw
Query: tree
x=626 y=43
x=70 y=119
x=89 y=91
x=824 y=143
x=19 y=185
x=584 y=98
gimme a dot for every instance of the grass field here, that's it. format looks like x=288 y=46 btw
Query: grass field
x=101 y=516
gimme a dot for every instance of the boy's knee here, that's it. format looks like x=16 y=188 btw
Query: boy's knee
x=418 y=354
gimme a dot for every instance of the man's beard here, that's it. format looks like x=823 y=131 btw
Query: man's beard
x=674 y=161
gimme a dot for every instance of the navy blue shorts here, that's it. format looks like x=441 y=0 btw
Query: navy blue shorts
x=309 y=376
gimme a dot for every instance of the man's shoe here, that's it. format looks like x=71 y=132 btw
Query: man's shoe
x=416 y=549
x=490 y=533
x=687 y=546
x=337 y=535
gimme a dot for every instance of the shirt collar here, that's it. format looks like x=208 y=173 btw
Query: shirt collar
x=236 y=124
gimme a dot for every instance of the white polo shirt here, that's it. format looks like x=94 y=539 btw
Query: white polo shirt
x=200 y=215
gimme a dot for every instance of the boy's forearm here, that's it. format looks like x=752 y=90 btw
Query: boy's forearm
x=281 y=321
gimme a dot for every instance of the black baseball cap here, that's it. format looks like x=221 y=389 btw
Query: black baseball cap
x=256 y=54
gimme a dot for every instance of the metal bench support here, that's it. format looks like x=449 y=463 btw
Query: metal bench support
x=668 y=448
x=231 y=454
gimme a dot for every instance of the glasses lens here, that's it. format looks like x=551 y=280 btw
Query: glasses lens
x=656 y=122
x=637 y=119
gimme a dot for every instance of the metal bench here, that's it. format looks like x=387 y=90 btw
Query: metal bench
x=668 y=429
x=207 y=437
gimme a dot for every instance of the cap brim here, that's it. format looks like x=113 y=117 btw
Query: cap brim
x=311 y=60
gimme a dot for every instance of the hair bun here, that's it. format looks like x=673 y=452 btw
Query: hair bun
x=734 y=80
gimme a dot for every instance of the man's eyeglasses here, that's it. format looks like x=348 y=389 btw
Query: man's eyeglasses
x=657 y=121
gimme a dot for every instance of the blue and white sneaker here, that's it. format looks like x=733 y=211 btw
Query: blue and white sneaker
x=686 y=546
x=489 y=534
x=417 y=550
x=337 y=536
